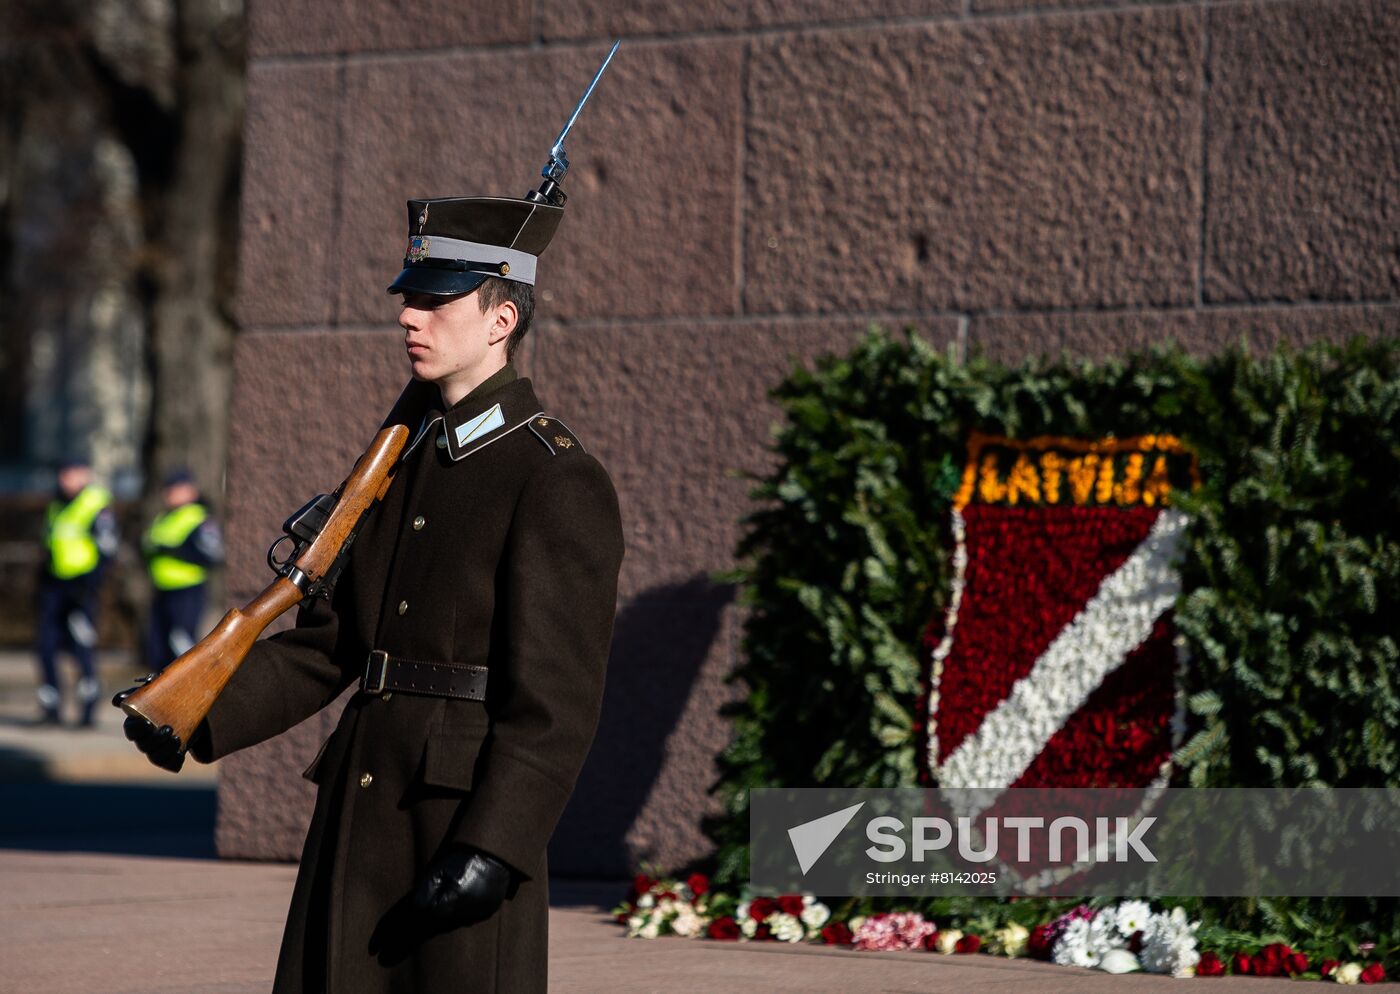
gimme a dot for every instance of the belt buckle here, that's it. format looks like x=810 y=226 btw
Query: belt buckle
x=371 y=684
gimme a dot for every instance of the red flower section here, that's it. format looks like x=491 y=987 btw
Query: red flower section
x=725 y=929
x=1030 y=570
x=1121 y=735
x=698 y=883
x=1040 y=942
x=1277 y=959
x=837 y=934
x=968 y=944
x=761 y=907
x=790 y=904
x=1210 y=966
x=1241 y=963
x=1373 y=974
x=641 y=883
x=1328 y=965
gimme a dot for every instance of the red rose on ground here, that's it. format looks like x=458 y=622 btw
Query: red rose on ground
x=790 y=904
x=1038 y=945
x=837 y=934
x=931 y=941
x=1373 y=974
x=725 y=929
x=761 y=907
x=968 y=944
x=1296 y=963
x=641 y=883
x=1328 y=965
x=698 y=884
x=763 y=933
x=1271 y=961
x=1242 y=963
x=1210 y=966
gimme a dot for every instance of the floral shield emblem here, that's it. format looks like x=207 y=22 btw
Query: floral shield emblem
x=417 y=248
x=1055 y=664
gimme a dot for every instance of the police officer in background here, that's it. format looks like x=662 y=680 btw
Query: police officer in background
x=180 y=547
x=80 y=538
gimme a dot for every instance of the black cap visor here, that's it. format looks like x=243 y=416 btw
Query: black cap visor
x=436 y=281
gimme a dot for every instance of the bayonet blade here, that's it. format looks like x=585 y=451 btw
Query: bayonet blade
x=558 y=149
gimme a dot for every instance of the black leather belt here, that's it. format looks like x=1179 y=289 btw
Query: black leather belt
x=384 y=672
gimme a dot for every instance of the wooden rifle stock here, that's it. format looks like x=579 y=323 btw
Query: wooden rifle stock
x=185 y=690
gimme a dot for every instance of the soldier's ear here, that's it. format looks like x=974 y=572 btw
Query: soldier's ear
x=504 y=322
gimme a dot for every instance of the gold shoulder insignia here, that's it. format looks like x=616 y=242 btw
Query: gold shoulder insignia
x=555 y=435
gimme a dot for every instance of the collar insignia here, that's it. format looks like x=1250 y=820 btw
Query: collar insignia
x=487 y=421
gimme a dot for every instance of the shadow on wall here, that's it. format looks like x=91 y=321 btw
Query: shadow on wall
x=661 y=640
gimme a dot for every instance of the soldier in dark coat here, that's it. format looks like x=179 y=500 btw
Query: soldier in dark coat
x=475 y=615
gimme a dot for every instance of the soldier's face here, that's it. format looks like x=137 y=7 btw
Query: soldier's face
x=450 y=341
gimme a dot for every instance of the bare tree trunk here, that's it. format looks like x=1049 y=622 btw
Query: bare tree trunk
x=191 y=335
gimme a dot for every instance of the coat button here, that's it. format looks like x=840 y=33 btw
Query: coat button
x=442 y=441
x=366 y=779
x=403 y=607
x=419 y=522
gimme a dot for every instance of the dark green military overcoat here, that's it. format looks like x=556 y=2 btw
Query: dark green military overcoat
x=498 y=544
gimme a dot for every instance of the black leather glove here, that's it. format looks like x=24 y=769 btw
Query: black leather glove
x=161 y=745
x=462 y=882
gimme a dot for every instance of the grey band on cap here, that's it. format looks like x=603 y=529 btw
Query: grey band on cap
x=521 y=264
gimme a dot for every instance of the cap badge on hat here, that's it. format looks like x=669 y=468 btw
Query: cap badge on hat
x=417 y=248
x=422 y=219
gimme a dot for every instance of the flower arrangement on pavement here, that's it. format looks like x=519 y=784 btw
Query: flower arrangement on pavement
x=1119 y=938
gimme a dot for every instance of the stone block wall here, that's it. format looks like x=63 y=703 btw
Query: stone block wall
x=756 y=183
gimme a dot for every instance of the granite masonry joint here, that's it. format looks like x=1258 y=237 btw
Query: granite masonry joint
x=815 y=28
x=739 y=320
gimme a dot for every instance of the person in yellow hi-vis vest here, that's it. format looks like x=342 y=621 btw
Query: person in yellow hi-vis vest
x=80 y=537
x=183 y=543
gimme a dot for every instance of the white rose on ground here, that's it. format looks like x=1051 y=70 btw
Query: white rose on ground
x=947 y=940
x=1119 y=961
x=786 y=928
x=687 y=923
x=646 y=901
x=815 y=915
x=747 y=927
x=1348 y=973
x=651 y=930
x=1011 y=940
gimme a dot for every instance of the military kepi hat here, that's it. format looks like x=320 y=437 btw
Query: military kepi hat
x=455 y=243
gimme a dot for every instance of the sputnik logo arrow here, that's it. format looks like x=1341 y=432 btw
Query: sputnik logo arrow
x=812 y=838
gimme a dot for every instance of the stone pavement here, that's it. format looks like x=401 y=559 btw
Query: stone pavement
x=86 y=924
x=31 y=753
